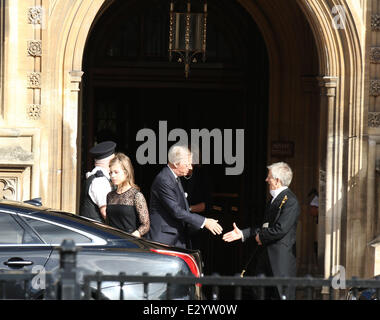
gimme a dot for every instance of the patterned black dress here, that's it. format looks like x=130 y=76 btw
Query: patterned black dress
x=128 y=211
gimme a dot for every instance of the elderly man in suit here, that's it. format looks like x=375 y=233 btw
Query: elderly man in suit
x=170 y=216
x=276 y=237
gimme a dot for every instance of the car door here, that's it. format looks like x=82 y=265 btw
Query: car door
x=21 y=250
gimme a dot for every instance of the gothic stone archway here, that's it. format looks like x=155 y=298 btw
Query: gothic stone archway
x=342 y=167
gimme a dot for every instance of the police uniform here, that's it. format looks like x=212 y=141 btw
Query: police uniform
x=97 y=184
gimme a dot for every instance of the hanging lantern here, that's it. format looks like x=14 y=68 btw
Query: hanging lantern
x=187 y=35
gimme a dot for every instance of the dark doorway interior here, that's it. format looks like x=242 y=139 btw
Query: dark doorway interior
x=121 y=112
x=129 y=85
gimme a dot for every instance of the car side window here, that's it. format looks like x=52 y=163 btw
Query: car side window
x=54 y=234
x=10 y=231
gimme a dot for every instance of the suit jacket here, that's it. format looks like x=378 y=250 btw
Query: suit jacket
x=279 y=237
x=169 y=212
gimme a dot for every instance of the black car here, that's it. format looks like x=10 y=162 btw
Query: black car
x=30 y=237
x=362 y=294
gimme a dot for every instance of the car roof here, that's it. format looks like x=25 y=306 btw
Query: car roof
x=26 y=208
x=67 y=218
x=22 y=205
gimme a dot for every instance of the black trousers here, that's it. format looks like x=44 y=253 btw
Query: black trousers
x=263 y=267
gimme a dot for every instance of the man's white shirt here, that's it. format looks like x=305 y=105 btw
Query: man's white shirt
x=275 y=193
x=175 y=177
x=99 y=187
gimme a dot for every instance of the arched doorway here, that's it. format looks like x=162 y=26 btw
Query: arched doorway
x=127 y=72
x=128 y=84
x=341 y=169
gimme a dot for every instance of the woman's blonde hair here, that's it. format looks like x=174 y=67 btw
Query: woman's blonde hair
x=126 y=165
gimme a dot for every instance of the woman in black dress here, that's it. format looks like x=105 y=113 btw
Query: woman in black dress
x=126 y=206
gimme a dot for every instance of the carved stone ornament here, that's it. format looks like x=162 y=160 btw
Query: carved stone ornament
x=34 y=111
x=35 y=15
x=34 y=80
x=8 y=188
x=375 y=22
x=374 y=88
x=374 y=119
x=374 y=55
x=35 y=48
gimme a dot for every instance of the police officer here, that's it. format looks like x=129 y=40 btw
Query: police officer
x=97 y=184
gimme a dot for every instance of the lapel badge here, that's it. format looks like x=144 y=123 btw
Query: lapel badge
x=283 y=201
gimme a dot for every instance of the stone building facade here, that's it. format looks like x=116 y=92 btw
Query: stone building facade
x=324 y=88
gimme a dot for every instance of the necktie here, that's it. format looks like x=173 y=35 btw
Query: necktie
x=182 y=191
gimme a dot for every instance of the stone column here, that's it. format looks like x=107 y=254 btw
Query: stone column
x=69 y=143
x=371 y=188
x=371 y=200
x=373 y=195
x=330 y=200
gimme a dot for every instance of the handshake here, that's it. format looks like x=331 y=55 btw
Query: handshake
x=235 y=234
x=213 y=226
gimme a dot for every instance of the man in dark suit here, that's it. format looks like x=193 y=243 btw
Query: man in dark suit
x=276 y=238
x=170 y=217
